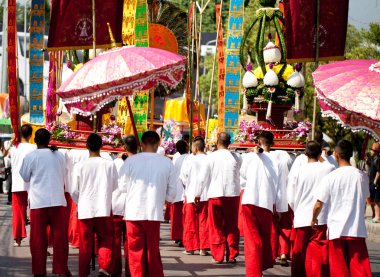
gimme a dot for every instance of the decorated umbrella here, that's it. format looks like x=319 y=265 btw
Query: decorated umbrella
x=117 y=73
x=349 y=91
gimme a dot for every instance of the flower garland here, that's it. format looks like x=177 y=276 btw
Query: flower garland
x=300 y=131
x=112 y=134
x=60 y=131
x=170 y=133
x=248 y=131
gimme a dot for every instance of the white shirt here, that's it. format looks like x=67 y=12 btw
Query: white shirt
x=148 y=180
x=195 y=175
x=302 y=189
x=224 y=173
x=118 y=198
x=178 y=162
x=46 y=171
x=176 y=156
x=73 y=157
x=263 y=188
x=17 y=156
x=345 y=190
x=161 y=150
x=95 y=180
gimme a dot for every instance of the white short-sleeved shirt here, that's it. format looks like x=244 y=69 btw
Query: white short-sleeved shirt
x=224 y=174
x=345 y=190
x=195 y=175
x=178 y=162
x=95 y=180
x=17 y=156
x=302 y=189
x=45 y=171
x=118 y=198
x=148 y=179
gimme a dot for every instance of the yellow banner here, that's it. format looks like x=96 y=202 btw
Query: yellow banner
x=129 y=22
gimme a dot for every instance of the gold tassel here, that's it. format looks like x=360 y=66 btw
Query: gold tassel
x=269 y=110
x=297 y=102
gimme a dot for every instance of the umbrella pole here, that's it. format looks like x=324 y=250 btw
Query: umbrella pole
x=317 y=23
x=133 y=121
x=314 y=115
x=151 y=127
x=219 y=22
x=194 y=22
x=93 y=28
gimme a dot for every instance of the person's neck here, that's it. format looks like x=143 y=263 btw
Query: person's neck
x=266 y=148
x=343 y=163
x=220 y=147
x=199 y=153
x=312 y=160
x=95 y=154
x=150 y=150
x=42 y=146
x=130 y=154
x=24 y=140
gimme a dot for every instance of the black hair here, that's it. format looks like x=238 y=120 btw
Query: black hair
x=313 y=149
x=224 y=139
x=344 y=150
x=199 y=143
x=26 y=131
x=42 y=137
x=181 y=146
x=266 y=138
x=318 y=136
x=150 y=138
x=130 y=144
x=94 y=142
x=124 y=157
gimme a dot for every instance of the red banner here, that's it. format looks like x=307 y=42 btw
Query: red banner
x=221 y=68
x=71 y=24
x=300 y=22
x=12 y=70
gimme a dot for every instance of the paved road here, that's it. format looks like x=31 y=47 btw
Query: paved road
x=16 y=261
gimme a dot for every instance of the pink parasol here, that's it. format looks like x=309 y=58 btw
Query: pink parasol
x=118 y=73
x=349 y=91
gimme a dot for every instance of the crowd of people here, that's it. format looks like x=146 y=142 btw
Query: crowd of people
x=310 y=210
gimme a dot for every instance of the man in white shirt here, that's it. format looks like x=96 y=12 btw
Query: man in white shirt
x=45 y=170
x=196 y=179
x=19 y=187
x=176 y=215
x=344 y=191
x=223 y=203
x=263 y=191
x=95 y=179
x=118 y=208
x=309 y=253
x=148 y=179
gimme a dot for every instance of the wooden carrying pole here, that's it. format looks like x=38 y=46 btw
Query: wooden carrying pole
x=133 y=121
x=151 y=127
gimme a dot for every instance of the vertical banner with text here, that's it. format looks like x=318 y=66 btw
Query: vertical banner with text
x=221 y=69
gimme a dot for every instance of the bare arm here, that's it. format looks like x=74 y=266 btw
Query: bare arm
x=316 y=211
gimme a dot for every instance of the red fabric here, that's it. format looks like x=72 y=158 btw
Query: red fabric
x=195 y=226
x=71 y=24
x=39 y=220
x=19 y=205
x=143 y=248
x=274 y=235
x=310 y=253
x=167 y=211
x=103 y=228
x=240 y=219
x=74 y=225
x=257 y=224
x=300 y=18
x=176 y=221
x=348 y=256
x=119 y=226
x=223 y=224
x=284 y=233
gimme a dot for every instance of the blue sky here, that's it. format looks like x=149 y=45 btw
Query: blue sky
x=362 y=12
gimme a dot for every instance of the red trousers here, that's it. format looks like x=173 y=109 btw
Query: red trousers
x=223 y=224
x=39 y=220
x=103 y=228
x=195 y=226
x=281 y=234
x=167 y=211
x=257 y=224
x=240 y=219
x=310 y=253
x=143 y=248
x=19 y=205
x=120 y=229
x=348 y=257
x=176 y=221
x=74 y=225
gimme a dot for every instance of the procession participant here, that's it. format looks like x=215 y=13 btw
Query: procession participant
x=45 y=171
x=344 y=192
x=148 y=179
x=374 y=182
x=223 y=203
x=309 y=253
x=19 y=187
x=176 y=215
x=196 y=179
x=263 y=192
x=95 y=180
x=118 y=207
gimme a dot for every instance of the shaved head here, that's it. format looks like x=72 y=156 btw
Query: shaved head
x=224 y=139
